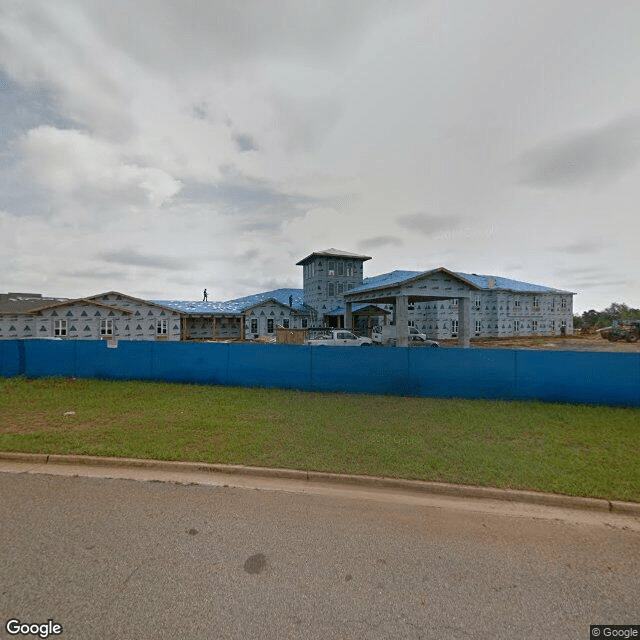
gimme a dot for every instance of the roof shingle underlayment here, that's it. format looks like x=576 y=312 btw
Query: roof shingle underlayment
x=480 y=281
x=238 y=305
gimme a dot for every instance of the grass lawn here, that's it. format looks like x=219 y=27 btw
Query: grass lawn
x=560 y=448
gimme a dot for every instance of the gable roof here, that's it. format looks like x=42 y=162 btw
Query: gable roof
x=126 y=296
x=66 y=303
x=273 y=301
x=278 y=295
x=507 y=284
x=475 y=281
x=363 y=308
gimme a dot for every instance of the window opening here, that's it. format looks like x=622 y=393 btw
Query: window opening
x=60 y=328
x=106 y=327
x=162 y=328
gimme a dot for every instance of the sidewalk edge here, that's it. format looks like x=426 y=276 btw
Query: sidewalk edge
x=377 y=482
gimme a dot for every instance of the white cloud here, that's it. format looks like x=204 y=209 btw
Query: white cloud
x=8 y=233
x=321 y=228
x=232 y=34
x=249 y=134
x=74 y=164
x=58 y=47
x=428 y=224
x=586 y=158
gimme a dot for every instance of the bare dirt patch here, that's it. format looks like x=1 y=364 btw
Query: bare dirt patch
x=39 y=422
x=591 y=342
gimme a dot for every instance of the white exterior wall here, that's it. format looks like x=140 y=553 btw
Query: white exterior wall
x=144 y=319
x=497 y=314
x=130 y=320
x=261 y=314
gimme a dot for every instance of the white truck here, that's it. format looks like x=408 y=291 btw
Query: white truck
x=339 y=338
x=387 y=335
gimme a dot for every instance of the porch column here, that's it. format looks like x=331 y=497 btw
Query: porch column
x=464 y=322
x=402 y=321
x=348 y=315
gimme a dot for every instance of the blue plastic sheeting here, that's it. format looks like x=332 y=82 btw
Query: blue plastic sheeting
x=43 y=356
x=511 y=374
x=468 y=373
x=190 y=362
x=360 y=370
x=580 y=377
x=12 y=358
x=283 y=366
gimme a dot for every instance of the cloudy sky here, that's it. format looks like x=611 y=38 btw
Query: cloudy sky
x=158 y=147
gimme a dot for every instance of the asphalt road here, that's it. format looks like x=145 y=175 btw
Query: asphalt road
x=125 y=559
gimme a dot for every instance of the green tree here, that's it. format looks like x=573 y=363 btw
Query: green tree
x=604 y=318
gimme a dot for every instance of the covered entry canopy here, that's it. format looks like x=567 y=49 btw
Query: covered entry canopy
x=336 y=315
x=401 y=288
x=370 y=310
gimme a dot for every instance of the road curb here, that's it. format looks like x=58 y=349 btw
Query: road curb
x=373 y=482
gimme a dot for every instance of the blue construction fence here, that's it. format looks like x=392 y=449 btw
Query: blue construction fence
x=512 y=374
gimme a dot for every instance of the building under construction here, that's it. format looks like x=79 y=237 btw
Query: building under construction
x=440 y=303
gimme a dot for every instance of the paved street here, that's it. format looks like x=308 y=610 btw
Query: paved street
x=121 y=558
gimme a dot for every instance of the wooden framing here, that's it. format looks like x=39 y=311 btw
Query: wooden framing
x=291 y=336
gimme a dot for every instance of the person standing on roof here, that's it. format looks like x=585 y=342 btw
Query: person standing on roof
x=205 y=295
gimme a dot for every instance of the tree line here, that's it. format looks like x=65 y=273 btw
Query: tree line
x=598 y=319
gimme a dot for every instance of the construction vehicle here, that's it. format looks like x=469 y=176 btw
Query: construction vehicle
x=621 y=330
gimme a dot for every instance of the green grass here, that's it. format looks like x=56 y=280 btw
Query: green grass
x=560 y=448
